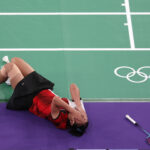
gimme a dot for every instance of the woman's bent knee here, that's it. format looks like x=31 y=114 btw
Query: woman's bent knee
x=15 y=59
x=9 y=66
x=16 y=79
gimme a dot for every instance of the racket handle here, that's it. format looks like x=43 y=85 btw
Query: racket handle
x=131 y=120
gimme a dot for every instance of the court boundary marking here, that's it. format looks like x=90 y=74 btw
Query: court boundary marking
x=69 y=13
x=74 y=49
x=129 y=23
x=117 y=100
x=108 y=100
x=102 y=101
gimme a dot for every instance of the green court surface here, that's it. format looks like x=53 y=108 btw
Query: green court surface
x=140 y=5
x=93 y=72
x=72 y=6
x=61 y=6
x=141 y=29
x=63 y=31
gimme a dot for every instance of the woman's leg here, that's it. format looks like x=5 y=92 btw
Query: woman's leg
x=12 y=72
x=24 y=67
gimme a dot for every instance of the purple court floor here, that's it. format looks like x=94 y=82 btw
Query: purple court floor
x=108 y=128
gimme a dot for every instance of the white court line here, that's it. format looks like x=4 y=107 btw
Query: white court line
x=74 y=49
x=99 y=101
x=139 y=100
x=129 y=23
x=70 y=13
x=139 y=13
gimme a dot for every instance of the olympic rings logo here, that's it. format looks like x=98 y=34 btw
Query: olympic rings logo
x=132 y=73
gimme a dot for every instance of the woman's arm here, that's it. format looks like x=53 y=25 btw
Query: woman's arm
x=58 y=103
x=75 y=94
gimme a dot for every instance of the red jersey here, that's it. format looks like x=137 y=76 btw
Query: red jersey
x=42 y=107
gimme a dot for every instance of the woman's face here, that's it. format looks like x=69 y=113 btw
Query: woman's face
x=78 y=122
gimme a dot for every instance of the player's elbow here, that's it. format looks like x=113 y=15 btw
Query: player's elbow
x=55 y=100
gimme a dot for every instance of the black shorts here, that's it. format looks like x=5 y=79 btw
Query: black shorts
x=26 y=90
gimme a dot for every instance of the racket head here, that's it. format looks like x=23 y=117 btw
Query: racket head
x=148 y=140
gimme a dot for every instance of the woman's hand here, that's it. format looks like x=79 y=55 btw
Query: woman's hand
x=77 y=117
x=83 y=113
x=71 y=118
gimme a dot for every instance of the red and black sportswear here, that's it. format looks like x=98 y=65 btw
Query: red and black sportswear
x=41 y=107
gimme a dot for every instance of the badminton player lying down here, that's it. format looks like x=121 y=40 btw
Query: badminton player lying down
x=34 y=93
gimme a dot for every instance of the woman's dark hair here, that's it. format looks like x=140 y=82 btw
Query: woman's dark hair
x=75 y=129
